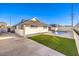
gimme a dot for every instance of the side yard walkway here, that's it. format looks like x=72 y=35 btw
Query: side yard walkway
x=25 y=47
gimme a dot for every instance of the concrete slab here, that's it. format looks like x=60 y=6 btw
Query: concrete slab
x=25 y=47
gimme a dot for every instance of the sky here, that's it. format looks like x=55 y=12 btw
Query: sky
x=50 y=13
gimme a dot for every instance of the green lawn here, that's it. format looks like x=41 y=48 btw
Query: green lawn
x=64 y=45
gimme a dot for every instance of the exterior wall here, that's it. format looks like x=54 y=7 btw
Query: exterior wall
x=33 y=30
x=19 y=32
x=76 y=37
x=30 y=30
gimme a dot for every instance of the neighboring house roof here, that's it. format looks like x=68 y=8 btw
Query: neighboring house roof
x=3 y=23
x=34 y=21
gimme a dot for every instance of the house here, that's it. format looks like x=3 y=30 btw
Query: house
x=33 y=26
x=3 y=27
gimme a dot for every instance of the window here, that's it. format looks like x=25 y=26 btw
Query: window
x=33 y=25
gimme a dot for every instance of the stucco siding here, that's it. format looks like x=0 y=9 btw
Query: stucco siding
x=33 y=30
x=19 y=32
x=30 y=30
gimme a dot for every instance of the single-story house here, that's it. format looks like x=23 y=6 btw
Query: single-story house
x=3 y=27
x=32 y=26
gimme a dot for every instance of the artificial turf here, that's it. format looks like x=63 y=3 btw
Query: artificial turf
x=66 y=46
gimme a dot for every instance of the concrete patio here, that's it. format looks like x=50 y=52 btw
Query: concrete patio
x=19 y=46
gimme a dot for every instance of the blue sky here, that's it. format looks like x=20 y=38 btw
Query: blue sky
x=48 y=13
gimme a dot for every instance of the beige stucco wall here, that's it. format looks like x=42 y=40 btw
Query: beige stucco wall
x=30 y=30
x=33 y=30
x=19 y=32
